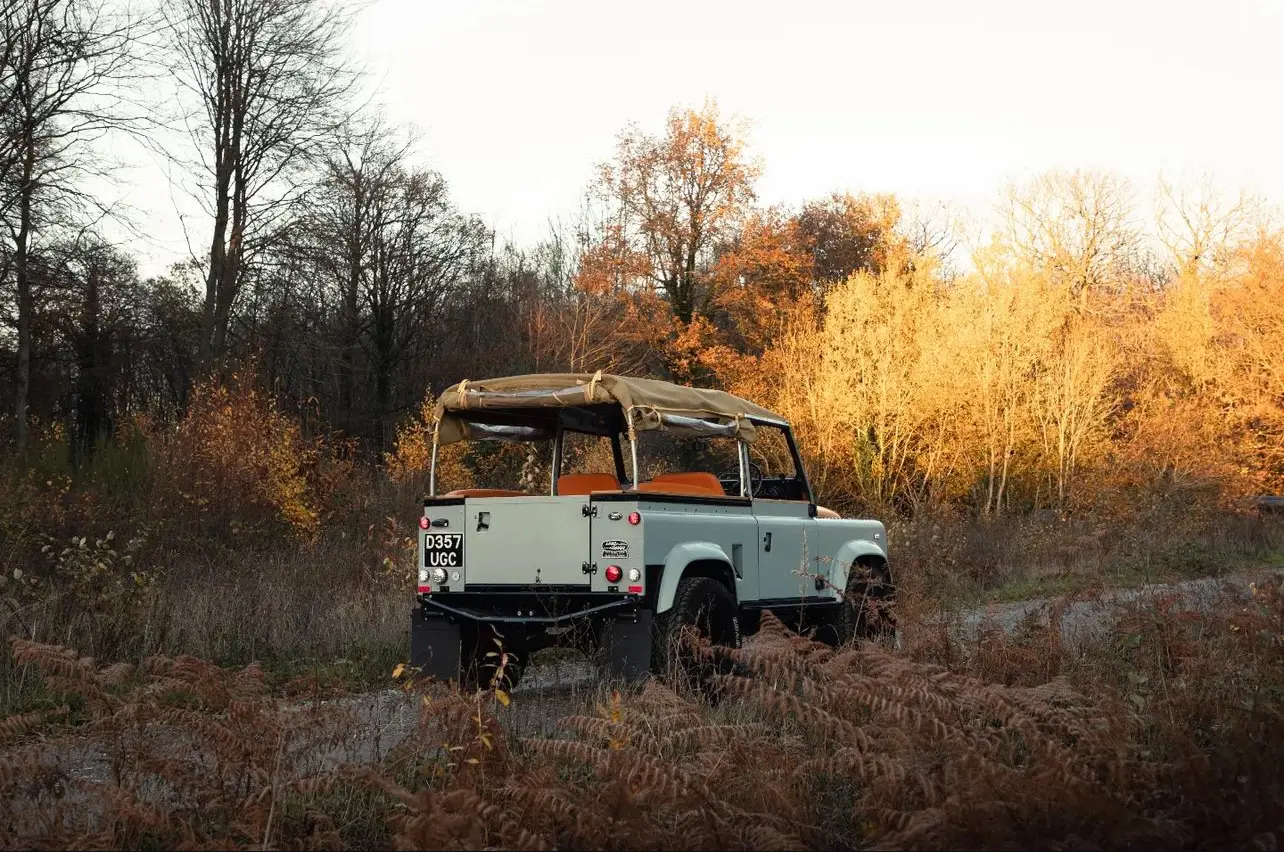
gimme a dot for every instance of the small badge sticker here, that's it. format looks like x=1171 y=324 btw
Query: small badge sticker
x=615 y=549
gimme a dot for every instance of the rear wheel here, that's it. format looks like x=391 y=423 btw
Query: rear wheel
x=491 y=658
x=708 y=608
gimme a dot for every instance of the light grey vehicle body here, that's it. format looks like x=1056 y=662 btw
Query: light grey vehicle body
x=617 y=561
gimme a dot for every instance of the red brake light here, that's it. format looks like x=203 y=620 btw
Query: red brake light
x=635 y=518
x=423 y=522
x=613 y=573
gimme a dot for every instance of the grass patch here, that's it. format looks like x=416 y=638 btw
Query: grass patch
x=365 y=667
x=964 y=563
x=1049 y=586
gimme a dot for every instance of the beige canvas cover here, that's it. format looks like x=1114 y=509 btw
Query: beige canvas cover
x=647 y=403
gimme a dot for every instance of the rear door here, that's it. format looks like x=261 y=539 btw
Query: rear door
x=526 y=541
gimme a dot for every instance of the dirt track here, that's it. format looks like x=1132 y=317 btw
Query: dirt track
x=1083 y=618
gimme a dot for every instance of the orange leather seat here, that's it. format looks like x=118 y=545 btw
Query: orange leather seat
x=822 y=512
x=486 y=492
x=676 y=488
x=687 y=482
x=586 y=483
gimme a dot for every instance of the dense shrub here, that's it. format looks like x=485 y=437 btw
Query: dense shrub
x=237 y=466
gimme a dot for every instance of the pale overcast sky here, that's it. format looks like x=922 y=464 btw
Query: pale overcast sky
x=517 y=99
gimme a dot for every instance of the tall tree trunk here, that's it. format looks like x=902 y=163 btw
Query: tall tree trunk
x=217 y=269
x=90 y=364
x=351 y=320
x=383 y=331
x=1008 y=448
x=348 y=364
x=26 y=304
x=383 y=395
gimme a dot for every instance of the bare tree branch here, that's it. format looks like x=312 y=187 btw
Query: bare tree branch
x=272 y=85
x=66 y=67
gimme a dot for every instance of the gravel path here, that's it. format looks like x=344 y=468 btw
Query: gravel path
x=1086 y=618
x=545 y=694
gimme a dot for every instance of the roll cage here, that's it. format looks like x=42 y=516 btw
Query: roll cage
x=607 y=420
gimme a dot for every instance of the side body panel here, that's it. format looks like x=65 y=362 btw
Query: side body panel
x=677 y=534
x=789 y=550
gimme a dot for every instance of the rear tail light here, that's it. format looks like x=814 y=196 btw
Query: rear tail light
x=634 y=575
x=423 y=522
x=613 y=573
x=635 y=518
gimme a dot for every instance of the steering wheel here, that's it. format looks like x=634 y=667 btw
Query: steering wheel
x=730 y=479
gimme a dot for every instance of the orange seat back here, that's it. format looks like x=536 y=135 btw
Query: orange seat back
x=586 y=483
x=676 y=488
x=485 y=492
x=687 y=482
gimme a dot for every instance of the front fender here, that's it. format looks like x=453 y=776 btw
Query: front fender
x=849 y=554
x=676 y=562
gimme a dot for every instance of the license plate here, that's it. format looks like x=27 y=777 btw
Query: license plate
x=444 y=550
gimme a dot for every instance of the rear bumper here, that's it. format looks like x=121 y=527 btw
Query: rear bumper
x=506 y=609
x=622 y=625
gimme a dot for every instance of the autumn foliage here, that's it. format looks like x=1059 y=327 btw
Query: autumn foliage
x=1072 y=365
x=235 y=464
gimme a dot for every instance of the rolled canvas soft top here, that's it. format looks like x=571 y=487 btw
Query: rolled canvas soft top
x=646 y=403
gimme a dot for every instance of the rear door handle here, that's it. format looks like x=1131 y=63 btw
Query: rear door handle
x=766 y=542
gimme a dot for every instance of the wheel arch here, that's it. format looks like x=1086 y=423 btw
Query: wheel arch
x=858 y=552
x=694 y=559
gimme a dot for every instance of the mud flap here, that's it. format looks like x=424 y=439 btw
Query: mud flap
x=626 y=650
x=434 y=646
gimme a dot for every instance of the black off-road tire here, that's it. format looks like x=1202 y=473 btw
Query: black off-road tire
x=708 y=606
x=867 y=609
x=480 y=659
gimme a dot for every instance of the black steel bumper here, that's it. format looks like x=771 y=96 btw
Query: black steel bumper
x=482 y=614
x=437 y=628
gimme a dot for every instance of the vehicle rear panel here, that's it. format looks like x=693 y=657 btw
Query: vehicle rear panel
x=441 y=545
x=522 y=542
x=526 y=541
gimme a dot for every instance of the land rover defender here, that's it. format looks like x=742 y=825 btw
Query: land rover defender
x=713 y=529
